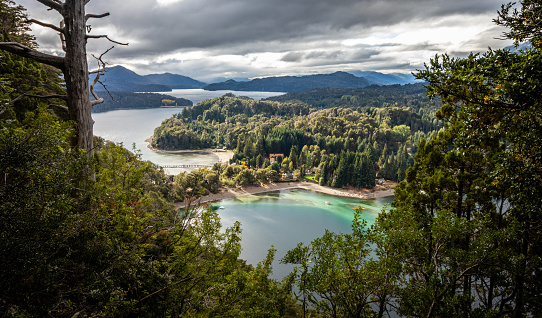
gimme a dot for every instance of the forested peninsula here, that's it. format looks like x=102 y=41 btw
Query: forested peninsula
x=347 y=146
x=88 y=229
x=127 y=100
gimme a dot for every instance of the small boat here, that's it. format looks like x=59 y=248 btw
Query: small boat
x=327 y=202
x=221 y=208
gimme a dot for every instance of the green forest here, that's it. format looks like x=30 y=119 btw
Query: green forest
x=128 y=100
x=94 y=232
x=372 y=141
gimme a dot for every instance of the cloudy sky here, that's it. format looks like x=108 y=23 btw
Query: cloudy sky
x=212 y=39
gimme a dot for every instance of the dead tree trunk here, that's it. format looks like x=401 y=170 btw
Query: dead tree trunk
x=73 y=34
x=76 y=73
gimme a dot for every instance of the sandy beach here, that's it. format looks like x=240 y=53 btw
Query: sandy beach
x=232 y=192
x=223 y=155
x=227 y=192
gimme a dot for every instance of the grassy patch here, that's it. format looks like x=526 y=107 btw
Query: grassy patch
x=309 y=179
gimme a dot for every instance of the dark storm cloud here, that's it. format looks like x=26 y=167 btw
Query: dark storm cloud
x=337 y=56
x=300 y=32
x=218 y=23
x=202 y=24
x=293 y=57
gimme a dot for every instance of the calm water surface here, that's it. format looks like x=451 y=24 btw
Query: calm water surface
x=134 y=126
x=285 y=218
x=281 y=218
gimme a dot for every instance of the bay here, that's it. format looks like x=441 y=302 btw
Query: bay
x=281 y=218
x=284 y=218
x=133 y=126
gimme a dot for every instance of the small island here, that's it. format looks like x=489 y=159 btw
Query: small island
x=129 y=100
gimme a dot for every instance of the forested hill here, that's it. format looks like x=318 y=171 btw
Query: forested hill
x=121 y=79
x=293 y=83
x=382 y=138
x=175 y=81
x=128 y=100
x=412 y=95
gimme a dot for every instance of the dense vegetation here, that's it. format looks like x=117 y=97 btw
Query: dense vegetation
x=462 y=238
x=123 y=100
x=117 y=248
x=409 y=95
x=112 y=245
x=333 y=140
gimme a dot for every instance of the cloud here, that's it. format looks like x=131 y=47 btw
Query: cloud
x=269 y=37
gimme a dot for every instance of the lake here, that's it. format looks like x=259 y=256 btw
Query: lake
x=134 y=126
x=282 y=218
x=285 y=218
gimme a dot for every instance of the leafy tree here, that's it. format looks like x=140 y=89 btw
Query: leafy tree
x=465 y=224
x=293 y=157
x=336 y=274
x=25 y=79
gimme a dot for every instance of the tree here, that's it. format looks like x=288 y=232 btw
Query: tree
x=130 y=255
x=73 y=34
x=293 y=157
x=337 y=276
x=25 y=80
x=466 y=222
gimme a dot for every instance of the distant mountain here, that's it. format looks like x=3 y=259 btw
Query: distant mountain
x=175 y=81
x=293 y=83
x=521 y=46
x=223 y=79
x=121 y=79
x=386 y=79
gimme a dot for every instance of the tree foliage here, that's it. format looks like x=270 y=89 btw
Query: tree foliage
x=462 y=238
x=118 y=248
x=383 y=137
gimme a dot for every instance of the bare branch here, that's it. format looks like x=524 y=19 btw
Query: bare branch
x=96 y=101
x=59 y=109
x=106 y=37
x=96 y=16
x=47 y=25
x=99 y=72
x=62 y=108
x=47 y=96
x=25 y=51
x=53 y=4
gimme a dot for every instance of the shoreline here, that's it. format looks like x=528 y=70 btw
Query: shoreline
x=223 y=155
x=229 y=193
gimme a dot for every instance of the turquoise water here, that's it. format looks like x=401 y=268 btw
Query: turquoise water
x=281 y=218
x=284 y=218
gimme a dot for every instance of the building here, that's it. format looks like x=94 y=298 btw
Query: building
x=273 y=157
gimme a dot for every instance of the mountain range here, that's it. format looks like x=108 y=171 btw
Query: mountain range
x=386 y=79
x=293 y=83
x=121 y=79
